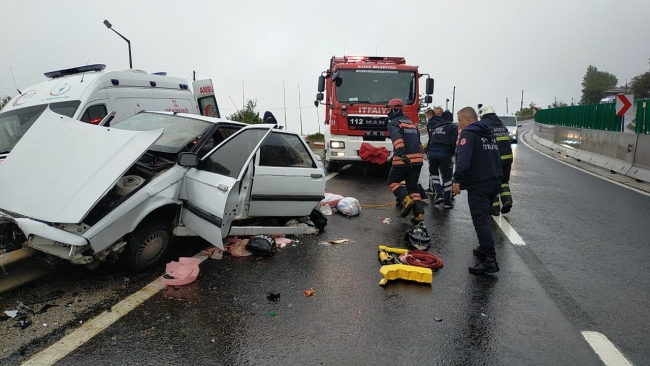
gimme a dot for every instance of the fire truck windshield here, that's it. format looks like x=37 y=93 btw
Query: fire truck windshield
x=375 y=86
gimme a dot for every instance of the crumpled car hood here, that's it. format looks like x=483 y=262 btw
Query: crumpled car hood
x=62 y=167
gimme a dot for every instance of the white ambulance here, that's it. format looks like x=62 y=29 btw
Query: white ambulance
x=89 y=94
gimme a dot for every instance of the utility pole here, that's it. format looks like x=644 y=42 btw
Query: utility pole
x=555 y=103
x=318 y=118
x=453 y=100
x=447 y=104
x=506 y=105
x=243 y=103
x=284 y=96
x=300 y=108
x=521 y=109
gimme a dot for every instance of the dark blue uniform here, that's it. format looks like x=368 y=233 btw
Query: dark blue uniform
x=440 y=148
x=406 y=143
x=478 y=170
x=505 y=149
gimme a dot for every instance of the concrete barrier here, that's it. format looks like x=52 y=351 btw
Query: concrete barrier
x=623 y=153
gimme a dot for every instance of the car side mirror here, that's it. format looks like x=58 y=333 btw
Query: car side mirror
x=320 y=97
x=518 y=125
x=188 y=159
x=429 y=86
x=321 y=83
x=428 y=99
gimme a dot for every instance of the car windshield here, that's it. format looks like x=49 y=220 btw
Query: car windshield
x=15 y=123
x=375 y=86
x=508 y=120
x=178 y=133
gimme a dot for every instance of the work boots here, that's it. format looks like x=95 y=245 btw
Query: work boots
x=417 y=218
x=448 y=204
x=407 y=206
x=485 y=265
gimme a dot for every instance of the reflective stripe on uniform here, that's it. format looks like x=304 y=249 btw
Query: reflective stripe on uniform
x=503 y=138
x=508 y=156
x=394 y=186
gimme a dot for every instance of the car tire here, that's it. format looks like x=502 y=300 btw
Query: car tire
x=146 y=246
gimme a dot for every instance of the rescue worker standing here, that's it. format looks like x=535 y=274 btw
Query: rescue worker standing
x=489 y=117
x=478 y=170
x=440 y=148
x=407 y=161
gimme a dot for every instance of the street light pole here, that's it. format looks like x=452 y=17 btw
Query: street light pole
x=110 y=26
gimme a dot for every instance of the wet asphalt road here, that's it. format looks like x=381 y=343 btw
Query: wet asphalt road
x=583 y=268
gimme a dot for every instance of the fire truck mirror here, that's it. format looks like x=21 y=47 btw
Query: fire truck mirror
x=429 y=86
x=428 y=99
x=321 y=84
x=316 y=103
x=319 y=97
x=336 y=75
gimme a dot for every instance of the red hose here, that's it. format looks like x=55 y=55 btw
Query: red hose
x=420 y=258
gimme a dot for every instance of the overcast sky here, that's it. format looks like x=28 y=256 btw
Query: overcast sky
x=488 y=49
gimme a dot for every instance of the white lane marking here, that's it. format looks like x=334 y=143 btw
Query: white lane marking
x=91 y=328
x=583 y=170
x=605 y=349
x=507 y=229
x=332 y=175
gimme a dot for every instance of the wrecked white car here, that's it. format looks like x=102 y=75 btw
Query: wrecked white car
x=84 y=193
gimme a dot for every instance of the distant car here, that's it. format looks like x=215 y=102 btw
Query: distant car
x=124 y=191
x=306 y=138
x=513 y=128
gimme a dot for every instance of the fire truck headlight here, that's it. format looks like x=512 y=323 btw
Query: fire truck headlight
x=338 y=153
x=337 y=144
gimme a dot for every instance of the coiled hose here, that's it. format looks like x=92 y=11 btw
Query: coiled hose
x=420 y=258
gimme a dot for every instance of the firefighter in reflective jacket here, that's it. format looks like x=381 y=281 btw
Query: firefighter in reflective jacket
x=489 y=117
x=407 y=161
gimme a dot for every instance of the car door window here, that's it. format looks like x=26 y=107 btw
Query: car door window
x=94 y=114
x=219 y=136
x=285 y=150
x=230 y=158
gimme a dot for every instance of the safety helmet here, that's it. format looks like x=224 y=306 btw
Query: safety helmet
x=486 y=109
x=395 y=103
x=418 y=237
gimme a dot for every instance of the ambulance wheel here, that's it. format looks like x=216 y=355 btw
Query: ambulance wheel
x=329 y=165
x=146 y=246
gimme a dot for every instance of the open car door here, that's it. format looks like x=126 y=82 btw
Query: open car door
x=213 y=192
x=204 y=94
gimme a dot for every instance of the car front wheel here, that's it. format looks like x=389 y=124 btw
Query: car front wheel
x=147 y=246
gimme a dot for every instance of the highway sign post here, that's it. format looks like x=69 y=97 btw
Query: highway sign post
x=625 y=108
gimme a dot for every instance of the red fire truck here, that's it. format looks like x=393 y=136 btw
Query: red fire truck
x=357 y=89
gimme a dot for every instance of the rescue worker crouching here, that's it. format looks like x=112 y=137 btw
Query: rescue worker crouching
x=440 y=148
x=407 y=161
x=489 y=117
x=478 y=170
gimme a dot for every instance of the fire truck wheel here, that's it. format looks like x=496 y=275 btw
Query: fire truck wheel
x=329 y=165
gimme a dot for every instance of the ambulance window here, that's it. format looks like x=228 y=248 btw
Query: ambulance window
x=94 y=114
x=209 y=106
x=284 y=150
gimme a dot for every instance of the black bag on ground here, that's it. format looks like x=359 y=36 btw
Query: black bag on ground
x=318 y=219
x=261 y=245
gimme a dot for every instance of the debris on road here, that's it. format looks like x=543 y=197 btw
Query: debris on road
x=335 y=241
x=437 y=319
x=239 y=249
x=309 y=293
x=261 y=245
x=23 y=323
x=49 y=297
x=385 y=220
x=45 y=308
x=213 y=253
x=331 y=199
x=326 y=209
x=349 y=206
x=183 y=272
x=11 y=313
x=273 y=313
x=282 y=242
x=273 y=297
